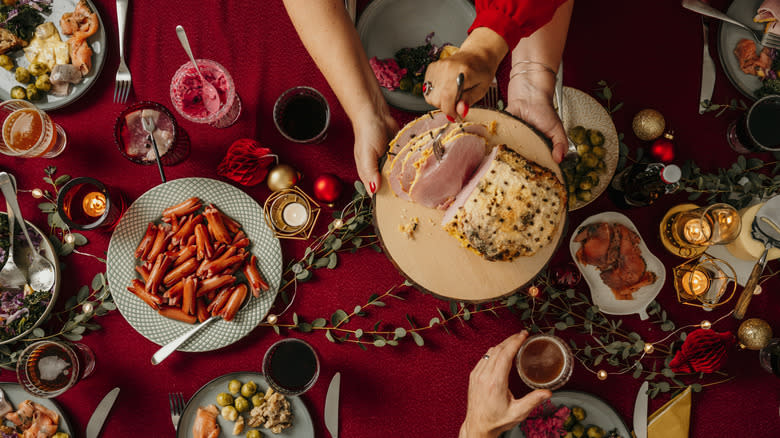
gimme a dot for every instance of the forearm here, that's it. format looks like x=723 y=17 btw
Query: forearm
x=467 y=431
x=333 y=43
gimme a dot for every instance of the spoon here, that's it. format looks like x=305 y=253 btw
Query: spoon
x=210 y=95
x=40 y=272
x=149 y=126
x=170 y=347
x=11 y=276
x=572 y=148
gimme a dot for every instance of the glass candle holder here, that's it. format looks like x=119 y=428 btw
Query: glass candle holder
x=302 y=115
x=291 y=213
x=28 y=132
x=134 y=142
x=704 y=282
x=544 y=362
x=48 y=368
x=186 y=94
x=687 y=230
x=291 y=366
x=85 y=204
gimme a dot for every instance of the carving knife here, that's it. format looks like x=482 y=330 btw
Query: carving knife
x=101 y=413
x=707 y=71
x=640 y=412
x=332 y=406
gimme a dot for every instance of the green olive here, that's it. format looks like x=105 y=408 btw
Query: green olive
x=33 y=93
x=241 y=404
x=224 y=399
x=6 y=62
x=22 y=75
x=258 y=400
x=37 y=69
x=248 y=389
x=234 y=386
x=230 y=413
x=43 y=83
x=253 y=434
x=18 y=92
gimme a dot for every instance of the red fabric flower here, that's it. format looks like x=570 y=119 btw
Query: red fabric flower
x=246 y=162
x=703 y=351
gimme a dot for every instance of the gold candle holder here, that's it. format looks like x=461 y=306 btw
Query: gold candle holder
x=703 y=282
x=291 y=213
x=687 y=230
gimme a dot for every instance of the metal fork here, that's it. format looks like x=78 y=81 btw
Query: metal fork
x=493 y=95
x=572 y=149
x=771 y=40
x=765 y=39
x=438 y=149
x=176 y=402
x=123 y=81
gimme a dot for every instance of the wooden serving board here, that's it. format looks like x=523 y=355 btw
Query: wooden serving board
x=435 y=261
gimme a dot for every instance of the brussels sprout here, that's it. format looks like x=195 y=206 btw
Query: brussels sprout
x=584 y=195
x=417 y=89
x=241 y=404
x=406 y=84
x=253 y=434
x=248 y=389
x=568 y=435
x=22 y=75
x=594 y=432
x=578 y=431
x=60 y=435
x=33 y=93
x=595 y=137
x=590 y=160
x=585 y=184
x=583 y=149
x=43 y=83
x=578 y=413
x=234 y=386
x=37 y=69
x=6 y=62
x=258 y=400
x=569 y=422
x=224 y=399
x=598 y=151
x=18 y=92
x=577 y=135
x=230 y=413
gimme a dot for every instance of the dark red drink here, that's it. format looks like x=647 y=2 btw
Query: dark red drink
x=291 y=366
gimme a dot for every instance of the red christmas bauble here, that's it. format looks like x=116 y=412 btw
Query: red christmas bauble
x=328 y=187
x=663 y=148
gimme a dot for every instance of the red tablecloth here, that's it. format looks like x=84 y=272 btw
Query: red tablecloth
x=649 y=51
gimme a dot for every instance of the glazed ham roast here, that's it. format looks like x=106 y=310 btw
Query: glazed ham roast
x=614 y=250
x=498 y=204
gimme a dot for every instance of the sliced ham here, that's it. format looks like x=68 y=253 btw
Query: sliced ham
x=438 y=182
x=432 y=120
x=468 y=188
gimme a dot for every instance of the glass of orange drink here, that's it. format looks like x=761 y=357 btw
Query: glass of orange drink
x=28 y=132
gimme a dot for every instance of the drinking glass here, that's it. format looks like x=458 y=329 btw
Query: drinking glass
x=302 y=115
x=85 y=204
x=134 y=143
x=49 y=368
x=186 y=94
x=28 y=132
x=756 y=130
x=705 y=226
x=291 y=366
x=544 y=362
x=704 y=282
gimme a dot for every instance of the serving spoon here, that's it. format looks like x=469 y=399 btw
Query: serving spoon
x=11 y=276
x=40 y=272
x=210 y=95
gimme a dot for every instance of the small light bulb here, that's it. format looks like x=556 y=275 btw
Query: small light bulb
x=706 y=325
x=602 y=375
x=70 y=238
x=338 y=223
x=649 y=349
x=533 y=291
x=271 y=319
x=757 y=290
x=37 y=193
x=88 y=307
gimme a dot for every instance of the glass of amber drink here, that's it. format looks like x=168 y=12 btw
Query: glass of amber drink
x=29 y=132
x=544 y=362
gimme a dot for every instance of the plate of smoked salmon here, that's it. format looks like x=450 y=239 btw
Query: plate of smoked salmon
x=481 y=220
x=71 y=43
x=623 y=275
x=45 y=412
x=730 y=42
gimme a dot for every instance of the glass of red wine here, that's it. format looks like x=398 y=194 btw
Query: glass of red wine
x=48 y=368
x=302 y=115
x=291 y=366
x=757 y=130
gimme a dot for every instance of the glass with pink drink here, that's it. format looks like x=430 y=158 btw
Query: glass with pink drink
x=188 y=99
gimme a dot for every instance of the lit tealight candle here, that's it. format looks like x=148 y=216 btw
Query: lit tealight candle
x=695 y=282
x=696 y=231
x=94 y=204
x=295 y=214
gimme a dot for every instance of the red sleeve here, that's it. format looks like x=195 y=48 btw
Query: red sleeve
x=514 y=19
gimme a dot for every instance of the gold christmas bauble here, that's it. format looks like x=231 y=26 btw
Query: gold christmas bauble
x=648 y=124
x=754 y=334
x=282 y=176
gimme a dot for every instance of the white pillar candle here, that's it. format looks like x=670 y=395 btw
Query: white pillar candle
x=295 y=214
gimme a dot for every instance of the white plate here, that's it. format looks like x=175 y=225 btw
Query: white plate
x=601 y=293
x=147 y=208
x=387 y=26
x=16 y=394
x=728 y=37
x=580 y=108
x=598 y=413
x=302 y=426
x=96 y=41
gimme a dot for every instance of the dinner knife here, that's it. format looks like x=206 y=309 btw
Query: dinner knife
x=640 y=412
x=707 y=71
x=332 y=406
x=101 y=413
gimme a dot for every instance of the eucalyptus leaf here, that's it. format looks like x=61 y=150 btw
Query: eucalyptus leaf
x=339 y=317
x=400 y=332
x=72 y=337
x=82 y=294
x=328 y=336
x=417 y=339
x=98 y=281
x=333 y=259
x=62 y=179
x=358 y=333
x=319 y=322
x=38 y=332
x=380 y=342
x=47 y=207
x=305 y=327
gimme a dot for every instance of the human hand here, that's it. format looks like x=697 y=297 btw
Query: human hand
x=442 y=75
x=529 y=97
x=492 y=408
x=372 y=130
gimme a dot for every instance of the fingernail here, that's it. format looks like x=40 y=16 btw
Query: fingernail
x=466 y=110
x=372 y=187
x=450 y=119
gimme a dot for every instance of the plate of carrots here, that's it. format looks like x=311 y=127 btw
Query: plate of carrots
x=175 y=260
